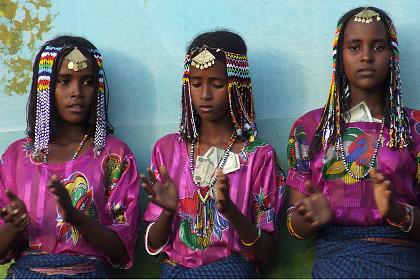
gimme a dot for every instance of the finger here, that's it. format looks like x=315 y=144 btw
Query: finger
x=10 y=216
x=19 y=220
x=3 y=212
x=164 y=173
x=387 y=184
x=144 y=180
x=11 y=195
x=310 y=188
x=221 y=177
x=148 y=189
x=152 y=175
x=24 y=224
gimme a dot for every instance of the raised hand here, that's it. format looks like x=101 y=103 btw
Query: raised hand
x=67 y=210
x=315 y=207
x=223 y=201
x=163 y=194
x=15 y=212
x=382 y=192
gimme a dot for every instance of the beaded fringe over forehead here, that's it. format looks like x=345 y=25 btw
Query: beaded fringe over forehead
x=43 y=107
x=399 y=130
x=240 y=98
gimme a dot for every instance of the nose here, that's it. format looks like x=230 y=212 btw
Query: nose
x=206 y=92
x=77 y=89
x=367 y=55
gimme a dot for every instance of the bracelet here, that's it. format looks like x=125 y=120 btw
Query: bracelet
x=409 y=209
x=150 y=250
x=292 y=232
x=253 y=242
x=407 y=222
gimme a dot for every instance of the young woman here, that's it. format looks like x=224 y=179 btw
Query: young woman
x=215 y=190
x=69 y=189
x=354 y=165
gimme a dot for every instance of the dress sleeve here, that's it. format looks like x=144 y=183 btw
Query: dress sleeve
x=298 y=158
x=5 y=177
x=123 y=203
x=267 y=195
x=153 y=211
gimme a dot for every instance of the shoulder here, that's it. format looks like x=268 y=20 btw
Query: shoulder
x=116 y=145
x=169 y=140
x=413 y=116
x=258 y=146
x=311 y=118
x=21 y=145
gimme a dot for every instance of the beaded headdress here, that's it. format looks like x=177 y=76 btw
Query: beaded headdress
x=47 y=61
x=239 y=89
x=332 y=119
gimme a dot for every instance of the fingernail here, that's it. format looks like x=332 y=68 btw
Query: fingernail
x=15 y=211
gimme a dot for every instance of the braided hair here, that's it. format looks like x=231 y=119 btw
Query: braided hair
x=41 y=109
x=333 y=119
x=229 y=48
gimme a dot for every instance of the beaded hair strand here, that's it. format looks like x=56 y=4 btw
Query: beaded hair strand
x=333 y=117
x=46 y=64
x=241 y=103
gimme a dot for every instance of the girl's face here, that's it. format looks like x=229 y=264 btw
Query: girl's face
x=74 y=92
x=366 y=55
x=209 y=92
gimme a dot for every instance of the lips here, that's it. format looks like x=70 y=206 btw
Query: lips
x=366 y=71
x=76 y=108
x=206 y=108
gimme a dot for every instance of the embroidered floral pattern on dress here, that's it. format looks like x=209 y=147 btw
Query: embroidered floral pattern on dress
x=359 y=148
x=81 y=195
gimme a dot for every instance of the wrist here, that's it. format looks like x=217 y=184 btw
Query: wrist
x=396 y=212
x=229 y=210
x=75 y=217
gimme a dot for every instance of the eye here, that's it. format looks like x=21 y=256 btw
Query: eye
x=88 y=82
x=196 y=84
x=63 y=81
x=354 y=48
x=379 y=48
x=218 y=85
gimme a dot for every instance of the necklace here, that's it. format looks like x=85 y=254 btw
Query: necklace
x=221 y=163
x=372 y=161
x=76 y=153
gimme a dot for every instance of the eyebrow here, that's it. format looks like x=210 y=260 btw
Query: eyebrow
x=374 y=40
x=211 y=78
x=69 y=75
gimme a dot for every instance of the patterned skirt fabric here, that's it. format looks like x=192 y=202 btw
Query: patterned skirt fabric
x=233 y=267
x=38 y=265
x=341 y=252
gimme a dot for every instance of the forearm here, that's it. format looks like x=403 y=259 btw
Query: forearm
x=101 y=237
x=265 y=249
x=9 y=237
x=159 y=232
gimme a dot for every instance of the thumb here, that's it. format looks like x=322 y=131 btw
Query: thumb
x=11 y=195
x=310 y=188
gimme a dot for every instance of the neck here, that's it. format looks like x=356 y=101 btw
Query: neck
x=215 y=133
x=68 y=133
x=375 y=100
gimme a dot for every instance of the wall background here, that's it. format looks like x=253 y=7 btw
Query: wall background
x=143 y=45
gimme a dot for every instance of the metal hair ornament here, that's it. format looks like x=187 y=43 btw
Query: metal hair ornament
x=239 y=89
x=203 y=60
x=366 y=16
x=43 y=107
x=77 y=61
